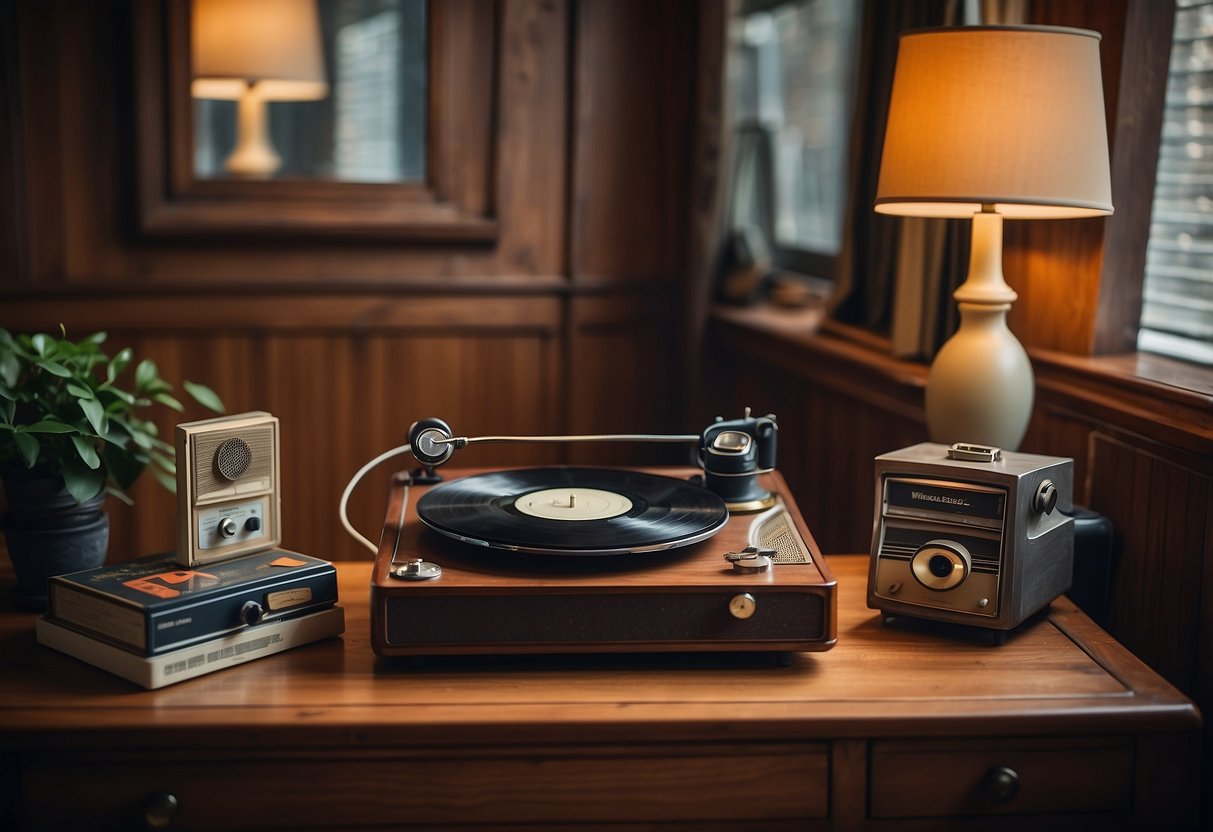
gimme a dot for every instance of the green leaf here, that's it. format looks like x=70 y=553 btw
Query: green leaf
x=96 y=339
x=167 y=463
x=79 y=391
x=121 y=495
x=8 y=410
x=88 y=453
x=164 y=479
x=204 y=395
x=51 y=426
x=41 y=343
x=82 y=482
x=123 y=466
x=141 y=438
x=10 y=369
x=54 y=368
x=168 y=401
x=118 y=363
x=29 y=447
x=95 y=414
x=118 y=398
x=146 y=373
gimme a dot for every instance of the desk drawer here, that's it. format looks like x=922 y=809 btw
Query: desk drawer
x=942 y=778
x=704 y=786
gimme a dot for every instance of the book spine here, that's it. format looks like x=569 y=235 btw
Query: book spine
x=177 y=666
x=99 y=615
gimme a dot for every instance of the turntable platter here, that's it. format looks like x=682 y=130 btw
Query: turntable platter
x=573 y=511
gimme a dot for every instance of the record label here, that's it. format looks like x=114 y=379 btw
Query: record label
x=573 y=511
x=573 y=504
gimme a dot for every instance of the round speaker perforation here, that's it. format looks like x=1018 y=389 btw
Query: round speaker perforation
x=232 y=458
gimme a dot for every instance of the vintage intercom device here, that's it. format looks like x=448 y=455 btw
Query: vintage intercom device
x=970 y=534
x=228 y=502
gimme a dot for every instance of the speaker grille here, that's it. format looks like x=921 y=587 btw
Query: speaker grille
x=233 y=458
x=244 y=455
x=777 y=533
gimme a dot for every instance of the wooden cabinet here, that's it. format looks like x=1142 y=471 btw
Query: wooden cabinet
x=428 y=787
x=910 y=727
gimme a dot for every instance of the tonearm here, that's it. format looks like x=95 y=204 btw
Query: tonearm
x=732 y=453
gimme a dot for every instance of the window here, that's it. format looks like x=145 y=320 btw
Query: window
x=369 y=124
x=1177 y=296
x=791 y=79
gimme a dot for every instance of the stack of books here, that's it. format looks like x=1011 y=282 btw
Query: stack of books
x=154 y=622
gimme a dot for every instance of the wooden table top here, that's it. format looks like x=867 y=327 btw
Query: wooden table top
x=1058 y=672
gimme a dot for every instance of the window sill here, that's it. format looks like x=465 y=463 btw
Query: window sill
x=1153 y=396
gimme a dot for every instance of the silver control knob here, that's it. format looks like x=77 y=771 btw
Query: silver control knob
x=742 y=606
x=228 y=527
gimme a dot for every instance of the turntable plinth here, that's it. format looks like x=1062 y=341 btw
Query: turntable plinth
x=489 y=600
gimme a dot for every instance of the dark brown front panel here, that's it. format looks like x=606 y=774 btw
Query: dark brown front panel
x=481 y=788
x=937 y=779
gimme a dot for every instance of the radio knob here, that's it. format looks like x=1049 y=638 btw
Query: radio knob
x=228 y=527
x=253 y=524
x=742 y=606
x=1045 y=498
x=252 y=613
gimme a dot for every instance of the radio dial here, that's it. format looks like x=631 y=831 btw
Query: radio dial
x=941 y=564
x=1045 y=498
x=228 y=527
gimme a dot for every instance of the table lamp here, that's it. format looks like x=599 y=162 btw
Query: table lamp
x=991 y=122
x=252 y=52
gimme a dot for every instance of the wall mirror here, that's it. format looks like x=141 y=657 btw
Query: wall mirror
x=326 y=118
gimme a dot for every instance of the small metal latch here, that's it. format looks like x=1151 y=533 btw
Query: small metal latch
x=751 y=559
x=417 y=570
x=974 y=453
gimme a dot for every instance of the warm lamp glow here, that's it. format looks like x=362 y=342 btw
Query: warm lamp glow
x=990 y=122
x=254 y=51
x=1006 y=116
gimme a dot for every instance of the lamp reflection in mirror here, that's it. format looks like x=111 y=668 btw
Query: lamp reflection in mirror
x=253 y=52
x=992 y=122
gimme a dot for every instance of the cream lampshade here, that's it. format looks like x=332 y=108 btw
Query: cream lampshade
x=254 y=51
x=991 y=122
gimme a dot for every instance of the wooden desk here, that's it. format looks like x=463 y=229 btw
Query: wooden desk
x=893 y=729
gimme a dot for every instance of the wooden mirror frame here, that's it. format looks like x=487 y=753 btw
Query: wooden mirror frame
x=453 y=204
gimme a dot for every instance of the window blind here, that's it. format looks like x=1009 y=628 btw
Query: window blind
x=1177 y=295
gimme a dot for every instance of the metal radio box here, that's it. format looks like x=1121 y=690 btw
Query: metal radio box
x=970 y=534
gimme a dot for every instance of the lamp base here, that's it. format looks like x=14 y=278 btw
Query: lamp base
x=253 y=157
x=981 y=386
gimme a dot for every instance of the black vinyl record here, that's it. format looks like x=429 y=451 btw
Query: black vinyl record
x=537 y=510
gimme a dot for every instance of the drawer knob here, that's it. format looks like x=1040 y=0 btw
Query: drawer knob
x=1000 y=785
x=159 y=810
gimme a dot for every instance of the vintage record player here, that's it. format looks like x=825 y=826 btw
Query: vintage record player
x=585 y=560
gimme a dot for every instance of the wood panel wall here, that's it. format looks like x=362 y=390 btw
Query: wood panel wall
x=568 y=322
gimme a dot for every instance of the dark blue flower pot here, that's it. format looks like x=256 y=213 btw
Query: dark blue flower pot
x=37 y=554
x=48 y=533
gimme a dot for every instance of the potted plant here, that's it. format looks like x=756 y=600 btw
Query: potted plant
x=71 y=432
